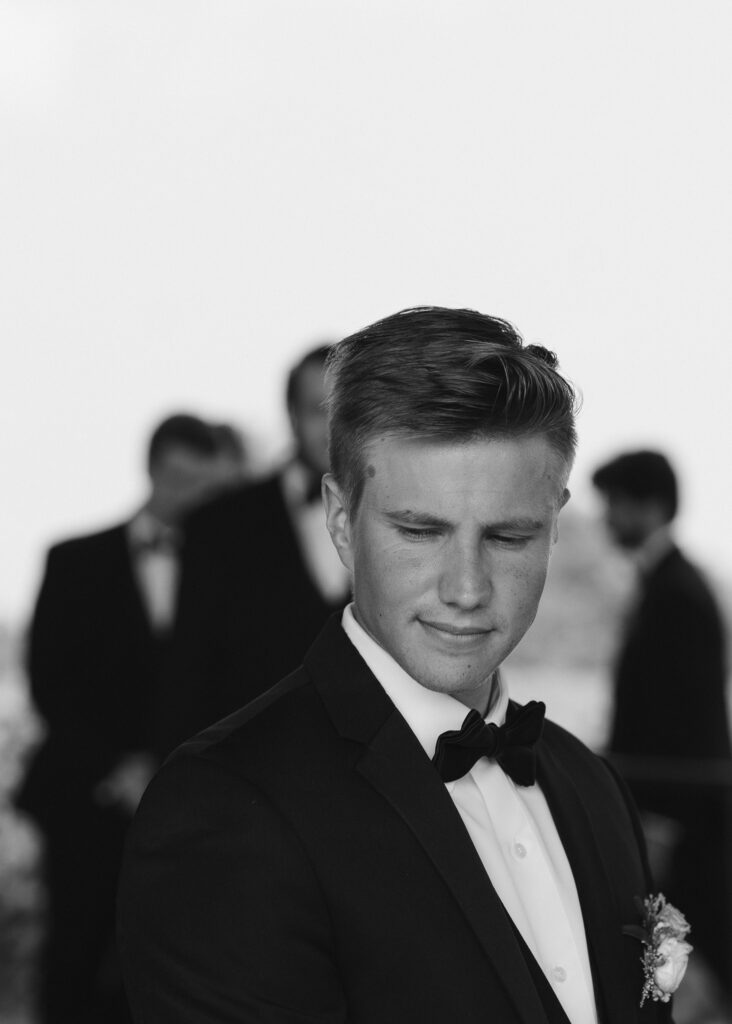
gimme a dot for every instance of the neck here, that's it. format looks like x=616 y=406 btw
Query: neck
x=648 y=554
x=158 y=511
x=477 y=700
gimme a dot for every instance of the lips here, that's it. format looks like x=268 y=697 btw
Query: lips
x=448 y=629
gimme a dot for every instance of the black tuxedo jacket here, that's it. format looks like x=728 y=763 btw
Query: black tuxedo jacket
x=303 y=862
x=671 y=671
x=670 y=703
x=94 y=665
x=248 y=608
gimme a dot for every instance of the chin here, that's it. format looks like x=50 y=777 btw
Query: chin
x=451 y=687
x=629 y=543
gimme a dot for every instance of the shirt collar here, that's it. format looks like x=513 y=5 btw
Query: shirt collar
x=145 y=528
x=427 y=712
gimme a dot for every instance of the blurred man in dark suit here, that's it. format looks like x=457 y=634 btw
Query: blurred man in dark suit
x=254 y=559
x=98 y=639
x=670 y=682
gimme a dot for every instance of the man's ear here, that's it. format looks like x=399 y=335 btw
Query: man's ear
x=565 y=496
x=337 y=520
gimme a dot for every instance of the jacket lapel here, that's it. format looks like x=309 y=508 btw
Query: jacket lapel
x=396 y=766
x=615 y=991
x=129 y=596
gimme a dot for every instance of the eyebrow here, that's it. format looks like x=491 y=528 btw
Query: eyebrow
x=415 y=518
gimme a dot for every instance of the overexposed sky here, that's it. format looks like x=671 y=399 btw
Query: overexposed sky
x=192 y=191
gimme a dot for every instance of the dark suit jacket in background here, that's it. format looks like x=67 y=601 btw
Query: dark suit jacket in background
x=94 y=666
x=671 y=671
x=303 y=862
x=670 y=703
x=95 y=669
x=248 y=607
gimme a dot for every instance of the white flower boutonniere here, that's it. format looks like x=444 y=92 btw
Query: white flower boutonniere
x=666 y=953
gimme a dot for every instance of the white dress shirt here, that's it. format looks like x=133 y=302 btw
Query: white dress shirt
x=156 y=567
x=511 y=828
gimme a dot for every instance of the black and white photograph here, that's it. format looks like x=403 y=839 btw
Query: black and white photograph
x=365 y=559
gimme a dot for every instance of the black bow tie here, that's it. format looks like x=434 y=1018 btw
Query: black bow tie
x=512 y=744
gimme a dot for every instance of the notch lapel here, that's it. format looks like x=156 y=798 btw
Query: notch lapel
x=129 y=595
x=394 y=763
x=398 y=768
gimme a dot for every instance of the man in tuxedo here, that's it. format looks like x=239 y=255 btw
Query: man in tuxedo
x=670 y=708
x=97 y=641
x=257 y=556
x=383 y=837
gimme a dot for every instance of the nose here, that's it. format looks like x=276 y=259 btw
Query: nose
x=465 y=578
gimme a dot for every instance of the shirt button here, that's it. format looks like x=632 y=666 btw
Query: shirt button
x=559 y=974
x=519 y=850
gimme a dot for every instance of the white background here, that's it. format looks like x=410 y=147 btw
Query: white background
x=192 y=192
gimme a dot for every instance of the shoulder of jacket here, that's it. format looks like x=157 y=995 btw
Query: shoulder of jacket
x=86 y=543
x=231 y=505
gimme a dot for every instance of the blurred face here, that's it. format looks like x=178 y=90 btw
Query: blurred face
x=181 y=479
x=230 y=469
x=630 y=521
x=309 y=418
x=449 y=550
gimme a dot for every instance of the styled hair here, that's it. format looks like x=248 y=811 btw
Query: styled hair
x=641 y=476
x=441 y=374
x=230 y=441
x=182 y=431
x=315 y=357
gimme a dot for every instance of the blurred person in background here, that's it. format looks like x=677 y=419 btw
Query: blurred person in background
x=98 y=639
x=670 y=679
x=254 y=561
x=232 y=454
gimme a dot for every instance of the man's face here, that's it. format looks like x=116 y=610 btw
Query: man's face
x=630 y=521
x=182 y=478
x=449 y=551
x=309 y=417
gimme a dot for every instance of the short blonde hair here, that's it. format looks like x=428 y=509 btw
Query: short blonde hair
x=442 y=374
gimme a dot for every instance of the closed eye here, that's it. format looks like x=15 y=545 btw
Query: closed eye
x=418 y=533
x=510 y=540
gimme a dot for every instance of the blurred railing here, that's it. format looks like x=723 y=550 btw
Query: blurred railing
x=684 y=772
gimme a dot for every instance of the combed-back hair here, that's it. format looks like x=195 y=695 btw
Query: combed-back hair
x=185 y=431
x=315 y=357
x=441 y=374
x=643 y=476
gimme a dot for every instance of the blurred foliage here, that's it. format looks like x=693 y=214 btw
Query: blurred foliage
x=21 y=895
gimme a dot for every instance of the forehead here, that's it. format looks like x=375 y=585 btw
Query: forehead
x=500 y=475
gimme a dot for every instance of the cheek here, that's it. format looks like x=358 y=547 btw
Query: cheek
x=311 y=434
x=526 y=586
x=391 y=576
x=411 y=571
x=318 y=427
